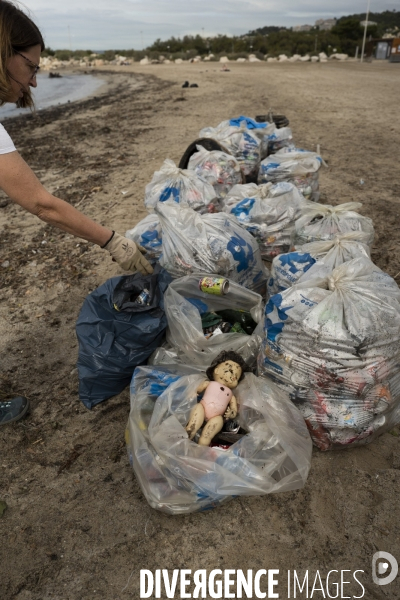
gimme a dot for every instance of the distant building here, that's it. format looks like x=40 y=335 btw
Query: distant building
x=302 y=28
x=325 y=24
x=367 y=23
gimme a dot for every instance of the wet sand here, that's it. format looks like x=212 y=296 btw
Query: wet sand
x=77 y=526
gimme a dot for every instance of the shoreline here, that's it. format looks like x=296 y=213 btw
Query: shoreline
x=105 y=88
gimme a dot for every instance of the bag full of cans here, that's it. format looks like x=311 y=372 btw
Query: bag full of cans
x=298 y=167
x=181 y=186
x=268 y=212
x=323 y=222
x=219 y=169
x=241 y=142
x=209 y=314
x=178 y=476
x=334 y=345
x=316 y=260
x=147 y=233
x=209 y=243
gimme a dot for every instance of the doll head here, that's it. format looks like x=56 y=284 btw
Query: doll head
x=227 y=368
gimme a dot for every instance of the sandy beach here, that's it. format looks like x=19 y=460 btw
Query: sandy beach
x=77 y=526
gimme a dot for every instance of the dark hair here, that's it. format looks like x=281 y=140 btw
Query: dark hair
x=224 y=356
x=17 y=33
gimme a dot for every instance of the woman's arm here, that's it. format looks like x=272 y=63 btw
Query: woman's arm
x=23 y=187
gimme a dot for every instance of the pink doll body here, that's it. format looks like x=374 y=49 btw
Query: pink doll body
x=215 y=400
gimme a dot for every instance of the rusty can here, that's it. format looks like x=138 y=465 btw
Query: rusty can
x=214 y=285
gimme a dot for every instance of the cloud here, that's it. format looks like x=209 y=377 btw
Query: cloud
x=100 y=24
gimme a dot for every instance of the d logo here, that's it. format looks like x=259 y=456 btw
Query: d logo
x=383 y=568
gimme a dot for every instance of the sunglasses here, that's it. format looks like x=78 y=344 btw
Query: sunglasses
x=33 y=65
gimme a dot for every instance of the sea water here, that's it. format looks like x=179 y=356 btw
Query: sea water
x=54 y=91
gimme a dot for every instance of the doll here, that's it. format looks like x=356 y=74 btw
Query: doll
x=218 y=402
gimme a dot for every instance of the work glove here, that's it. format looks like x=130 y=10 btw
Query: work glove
x=128 y=255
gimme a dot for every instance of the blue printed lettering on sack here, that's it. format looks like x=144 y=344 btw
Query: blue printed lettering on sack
x=150 y=239
x=241 y=252
x=275 y=317
x=168 y=192
x=243 y=208
x=250 y=140
x=296 y=261
x=307 y=301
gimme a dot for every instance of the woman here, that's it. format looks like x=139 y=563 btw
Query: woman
x=21 y=44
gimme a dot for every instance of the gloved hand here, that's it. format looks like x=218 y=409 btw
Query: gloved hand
x=128 y=254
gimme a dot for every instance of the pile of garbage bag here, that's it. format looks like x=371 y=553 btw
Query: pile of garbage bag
x=323 y=222
x=334 y=346
x=209 y=243
x=295 y=166
x=147 y=233
x=180 y=185
x=240 y=141
x=316 y=260
x=219 y=169
x=268 y=212
x=202 y=324
x=178 y=476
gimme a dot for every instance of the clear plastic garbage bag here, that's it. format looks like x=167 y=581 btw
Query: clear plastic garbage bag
x=147 y=233
x=262 y=130
x=241 y=142
x=180 y=185
x=316 y=259
x=334 y=345
x=185 y=303
x=280 y=138
x=177 y=476
x=212 y=243
x=323 y=222
x=220 y=169
x=295 y=168
x=268 y=212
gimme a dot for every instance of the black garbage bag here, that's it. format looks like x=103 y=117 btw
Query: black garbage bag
x=120 y=324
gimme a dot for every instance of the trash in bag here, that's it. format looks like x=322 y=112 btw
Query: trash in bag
x=177 y=476
x=120 y=324
x=268 y=212
x=241 y=142
x=180 y=185
x=221 y=170
x=147 y=233
x=263 y=130
x=297 y=167
x=334 y=345
x=323 y=222
x=202 y=324
x=316 y=260
x=280 y=138
x=211 y=243
x=207 y=143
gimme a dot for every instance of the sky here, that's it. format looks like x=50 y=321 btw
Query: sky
x=123 y=24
